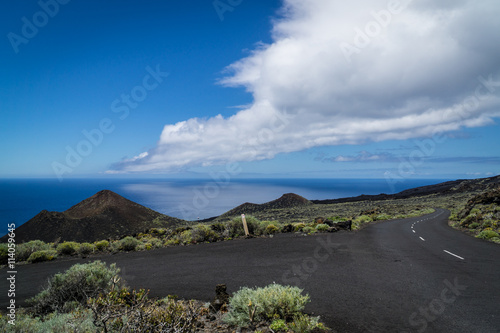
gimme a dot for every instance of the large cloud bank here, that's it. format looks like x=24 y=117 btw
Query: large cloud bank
x=342 y=72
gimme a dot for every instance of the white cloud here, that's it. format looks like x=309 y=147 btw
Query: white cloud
x=414 y=75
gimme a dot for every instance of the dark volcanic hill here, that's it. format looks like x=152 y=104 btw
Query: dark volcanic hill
x=451 y=187
x=102 y=216
x=288 y=200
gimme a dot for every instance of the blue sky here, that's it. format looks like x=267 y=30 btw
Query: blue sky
x=313 y=88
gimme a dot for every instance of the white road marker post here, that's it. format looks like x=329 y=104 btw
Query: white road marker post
x=245 y=224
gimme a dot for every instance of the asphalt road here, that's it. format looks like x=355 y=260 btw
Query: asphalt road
x=412 y=275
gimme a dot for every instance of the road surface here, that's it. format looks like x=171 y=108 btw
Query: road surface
x=411 y=275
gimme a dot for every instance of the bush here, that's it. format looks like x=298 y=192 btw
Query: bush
x=304 y=324
x=129 y=243
x=322 y=227
x=204 y=233
x=157 y=231
x=132 y=311
x=235 y=226
x=85 y=249
x=24 y=250
x=271 y=302
x=218 y=227
x=278 y=325
x=4 y=253
x=308 y=230
x=298 y=226
x=186 y=237
x=67 y=248
x=363 y=219
x=271 y=229
x=382 y=217
x=75 y=285
x=71 y=322
x=473 y=225
x=40 y=256
x=101 y=245
x=487 y=234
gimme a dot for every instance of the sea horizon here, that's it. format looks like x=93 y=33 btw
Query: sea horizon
x=190 y=199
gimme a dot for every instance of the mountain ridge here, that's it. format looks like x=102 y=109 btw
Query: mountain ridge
x=105 y=215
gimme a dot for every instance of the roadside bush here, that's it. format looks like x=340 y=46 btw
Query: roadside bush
x=85 y=249
x=67 y=248
x=308 y=230
x=235 y=226
x=363 y=219
x=278 y=325
x=218 y=227
x=80 y=321
x=75 y=285
x=322 y=227
x=249 y=305
x=158 y=232
x=129 y=243
x=123 y=310
x=382 y=217
x=271 y=229
x=304 y=324
x=24 y=250
x=487 y=234
x=204 y=233
x=101 y=245
x=267 y=228
x=4 y=253
x=186 y=237
x=172 y=242
x=40 y=256
x=298 y=226
x=473 y=225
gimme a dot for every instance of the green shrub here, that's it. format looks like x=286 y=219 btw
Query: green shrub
x=80 y=321
x=271 y=229
x=123 y=310
x=24 y=250
x=308 y=230
x=186 y=237
x=304 y=324
x=4 y=253
x=271 y=302
x=78 y=283
x=487 y=234
x=67 y=248
x=298 y=226
x=322 y=227
x=204 y=233
x=157 y=231
x=172 y=242
x=382 y=217
x=40 y=256
x=129 y=243
x=85 y=249
x=278 y=325
x=473 y=225
x=363 y=219
x=235 y=226
x=218 y=227
x=101 y=245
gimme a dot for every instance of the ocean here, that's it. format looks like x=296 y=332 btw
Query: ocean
x=190 y=199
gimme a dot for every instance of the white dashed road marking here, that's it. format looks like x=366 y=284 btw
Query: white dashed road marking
x=459 y=257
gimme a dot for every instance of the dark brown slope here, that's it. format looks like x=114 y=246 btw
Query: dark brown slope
x=288 y=200
x=102 y=216
x=451 y=187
